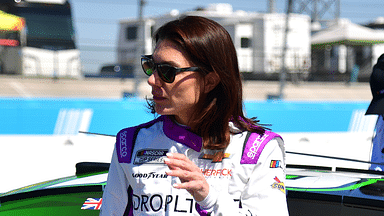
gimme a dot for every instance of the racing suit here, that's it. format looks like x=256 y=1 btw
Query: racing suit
x=249 y=180
x=378 y=145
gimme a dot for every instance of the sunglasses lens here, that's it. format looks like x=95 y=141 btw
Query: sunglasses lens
x=147 y=66
x=167 y=73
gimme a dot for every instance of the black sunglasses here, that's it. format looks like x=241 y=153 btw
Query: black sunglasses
x=166 y=72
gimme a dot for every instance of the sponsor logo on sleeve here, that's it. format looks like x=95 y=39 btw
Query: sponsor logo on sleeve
x=123 y=144
x=275 y=164
x=255 y=146
x=278 y=185
x=150 y=156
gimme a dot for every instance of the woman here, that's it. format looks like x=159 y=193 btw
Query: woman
x=202 y=156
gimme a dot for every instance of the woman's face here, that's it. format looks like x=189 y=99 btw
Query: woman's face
x=180 y=97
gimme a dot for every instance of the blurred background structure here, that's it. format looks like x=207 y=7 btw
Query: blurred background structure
x=326 y=40
x=43 y=37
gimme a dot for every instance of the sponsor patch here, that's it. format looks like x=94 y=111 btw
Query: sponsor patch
x=254 y=150
x=150 y=156
x=217 y=172
x=123 y=144
x=216 y=158
x=145 y=204
x=278 y=185
x=275 y=164
x=149 y=175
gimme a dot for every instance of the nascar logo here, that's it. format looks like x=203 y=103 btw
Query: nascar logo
x=150 y=156
x=275 y=164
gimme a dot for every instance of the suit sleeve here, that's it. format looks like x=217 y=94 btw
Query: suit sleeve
x=378 y=145
x=263 y=194
x=115 y=196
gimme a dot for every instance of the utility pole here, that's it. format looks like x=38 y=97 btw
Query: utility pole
x=319 y=10
x=141 y=7
x=271 y=6
x=283 y=73
x=140 y=48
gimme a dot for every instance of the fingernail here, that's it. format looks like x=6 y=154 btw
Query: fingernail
x=166 y=160
x=169 y=154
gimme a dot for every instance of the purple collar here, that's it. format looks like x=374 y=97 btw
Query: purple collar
x=180 y=134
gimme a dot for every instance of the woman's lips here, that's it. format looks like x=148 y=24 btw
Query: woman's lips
x=158 y=97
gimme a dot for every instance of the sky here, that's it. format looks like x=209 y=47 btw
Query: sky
x=96 y=22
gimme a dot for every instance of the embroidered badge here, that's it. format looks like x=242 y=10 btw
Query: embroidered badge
x=92 y=204
x=216 y=158
x=253 y=151
x=150 y=156
x=275 y=164
x=278 y=185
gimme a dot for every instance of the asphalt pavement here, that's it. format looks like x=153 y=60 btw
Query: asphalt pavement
x=28 y=87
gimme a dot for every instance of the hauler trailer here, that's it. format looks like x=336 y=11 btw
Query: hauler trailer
x=44 y=45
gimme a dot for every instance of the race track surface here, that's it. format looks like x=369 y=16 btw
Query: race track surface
x=25 y=87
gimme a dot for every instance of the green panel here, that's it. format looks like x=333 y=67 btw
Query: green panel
x=63 y=204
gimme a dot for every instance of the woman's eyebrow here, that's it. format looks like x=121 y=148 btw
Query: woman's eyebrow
x=169 y=62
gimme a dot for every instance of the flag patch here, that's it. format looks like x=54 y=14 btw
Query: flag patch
x=92 y=204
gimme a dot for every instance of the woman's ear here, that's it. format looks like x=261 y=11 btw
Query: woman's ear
x=211 y=80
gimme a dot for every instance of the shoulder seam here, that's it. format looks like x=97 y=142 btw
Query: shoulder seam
x=254 y=145
x=126 y=139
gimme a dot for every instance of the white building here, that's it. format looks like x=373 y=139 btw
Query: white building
x=346 y=51
x=258 y=38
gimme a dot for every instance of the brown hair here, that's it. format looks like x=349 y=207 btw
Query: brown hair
x=210 y=47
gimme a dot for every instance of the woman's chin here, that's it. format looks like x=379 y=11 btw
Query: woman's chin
x=162 y=110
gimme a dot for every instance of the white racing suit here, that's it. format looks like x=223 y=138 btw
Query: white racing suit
x=249 y=180
x=378 y=145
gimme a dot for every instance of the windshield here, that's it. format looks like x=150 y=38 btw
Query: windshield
x=48 y=27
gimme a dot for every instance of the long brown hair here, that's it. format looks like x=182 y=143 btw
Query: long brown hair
x=210 y=47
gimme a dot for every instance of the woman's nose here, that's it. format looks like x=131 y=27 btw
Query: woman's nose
x=154 y=79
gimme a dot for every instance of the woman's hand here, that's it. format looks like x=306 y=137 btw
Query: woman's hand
x=191 y=177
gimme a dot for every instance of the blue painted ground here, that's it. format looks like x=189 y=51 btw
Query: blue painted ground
x=67 y=116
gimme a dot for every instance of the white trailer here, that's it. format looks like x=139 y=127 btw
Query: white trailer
x=258 y=38
x=47 y=43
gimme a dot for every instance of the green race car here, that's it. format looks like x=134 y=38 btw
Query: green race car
x=310 y=191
